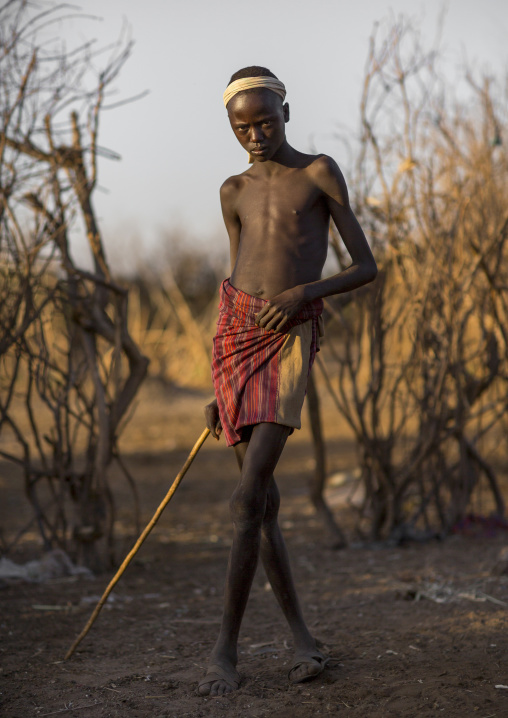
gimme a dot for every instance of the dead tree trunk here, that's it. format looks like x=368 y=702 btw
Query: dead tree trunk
x=318 y=481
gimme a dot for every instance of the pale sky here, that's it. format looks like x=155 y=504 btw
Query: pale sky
x=176 y=144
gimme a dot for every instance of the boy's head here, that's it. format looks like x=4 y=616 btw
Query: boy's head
x=253 y=79
x=257 y=112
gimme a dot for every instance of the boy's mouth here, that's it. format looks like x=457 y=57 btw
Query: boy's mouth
x=259 y=151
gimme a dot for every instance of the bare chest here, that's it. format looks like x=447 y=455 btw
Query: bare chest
x=290 y=198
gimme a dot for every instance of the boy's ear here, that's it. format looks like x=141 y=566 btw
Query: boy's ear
x=285 y=110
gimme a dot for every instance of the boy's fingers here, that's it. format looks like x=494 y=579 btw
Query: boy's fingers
x=215 y=426
x=213 y=420
x=269 y=317
x=267 y=314
x=260 y=315
x=277 y=322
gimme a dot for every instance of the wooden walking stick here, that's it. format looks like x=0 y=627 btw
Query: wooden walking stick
x=199 y=443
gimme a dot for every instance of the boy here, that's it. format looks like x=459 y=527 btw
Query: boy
x=277 y=216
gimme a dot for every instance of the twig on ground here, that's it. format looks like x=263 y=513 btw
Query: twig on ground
x=72 y=708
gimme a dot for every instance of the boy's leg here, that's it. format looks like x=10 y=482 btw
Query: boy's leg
x=276 y=563
x=248 y=507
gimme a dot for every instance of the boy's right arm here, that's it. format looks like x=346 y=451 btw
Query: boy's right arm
x=228 y=198
x=228 y=194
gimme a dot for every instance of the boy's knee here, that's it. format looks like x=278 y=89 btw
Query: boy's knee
x=247 y=510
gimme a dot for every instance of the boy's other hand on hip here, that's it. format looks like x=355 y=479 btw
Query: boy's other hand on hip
x=279 y=310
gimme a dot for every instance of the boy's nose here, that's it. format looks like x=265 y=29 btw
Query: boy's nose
x=256 y=134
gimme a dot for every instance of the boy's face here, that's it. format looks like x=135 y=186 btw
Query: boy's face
x=258 y=121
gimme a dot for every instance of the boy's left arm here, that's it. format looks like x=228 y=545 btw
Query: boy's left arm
x=362 y=270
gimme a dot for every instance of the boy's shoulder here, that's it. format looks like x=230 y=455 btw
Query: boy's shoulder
x=324 y=165
x=230 y=189
x=326 y=174
x=233 y=183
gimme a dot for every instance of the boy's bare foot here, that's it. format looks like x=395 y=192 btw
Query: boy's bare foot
x=219 y=679
x=307 y=665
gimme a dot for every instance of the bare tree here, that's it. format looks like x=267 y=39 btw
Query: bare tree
x=66 y=353
x=417 y=364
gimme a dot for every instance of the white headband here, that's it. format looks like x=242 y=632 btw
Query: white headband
x=249 y=83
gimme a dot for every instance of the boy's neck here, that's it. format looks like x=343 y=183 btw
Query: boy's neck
x=286 y=156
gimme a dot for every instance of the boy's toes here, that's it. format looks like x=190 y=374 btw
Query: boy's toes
x=220 y=688
x=304 y=671
x=219 y=680
x=204 y=689
x=216 y=688
x=307 y=666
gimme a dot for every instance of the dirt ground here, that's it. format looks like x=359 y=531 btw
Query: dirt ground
x=414 y=631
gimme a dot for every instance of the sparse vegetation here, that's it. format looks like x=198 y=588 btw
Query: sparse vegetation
x=415 y=363
x=69 y=366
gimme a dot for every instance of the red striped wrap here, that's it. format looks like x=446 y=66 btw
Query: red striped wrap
x=260 y=375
